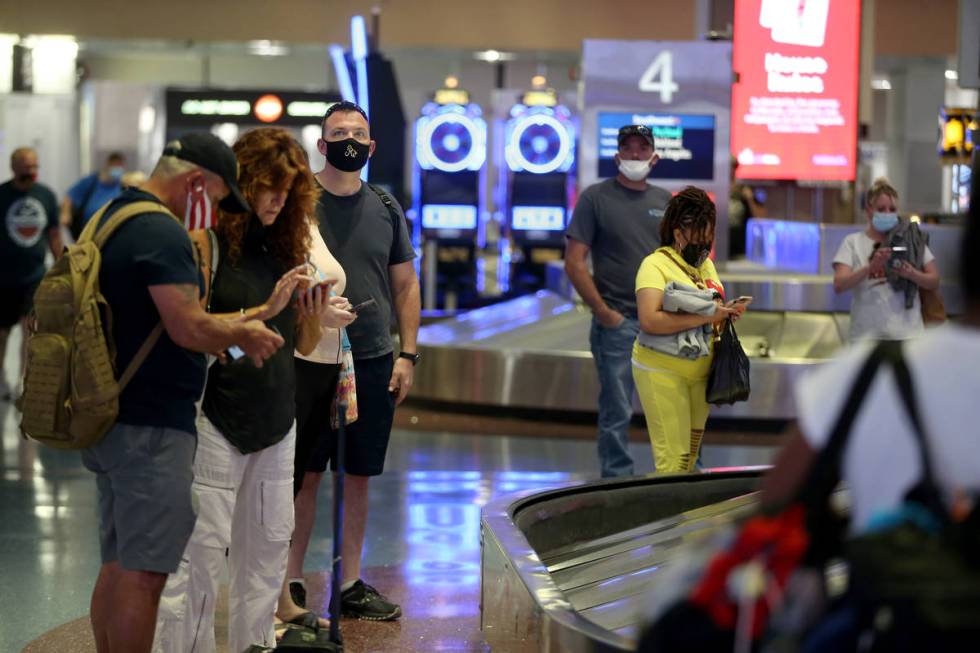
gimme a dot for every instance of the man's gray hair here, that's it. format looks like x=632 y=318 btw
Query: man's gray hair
x=169 y=166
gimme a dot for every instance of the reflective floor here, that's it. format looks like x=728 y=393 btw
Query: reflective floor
x=422 y=547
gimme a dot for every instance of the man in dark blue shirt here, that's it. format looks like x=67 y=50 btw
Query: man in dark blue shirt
x=144 y=463
x=30 y=221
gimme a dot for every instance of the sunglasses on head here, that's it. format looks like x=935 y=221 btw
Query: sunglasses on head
x=345 y=106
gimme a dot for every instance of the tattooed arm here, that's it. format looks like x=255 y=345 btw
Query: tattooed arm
x=190 y=327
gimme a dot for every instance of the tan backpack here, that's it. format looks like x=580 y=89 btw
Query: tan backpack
x=71 y=394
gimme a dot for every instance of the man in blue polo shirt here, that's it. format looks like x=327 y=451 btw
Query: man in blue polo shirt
x=91 y=192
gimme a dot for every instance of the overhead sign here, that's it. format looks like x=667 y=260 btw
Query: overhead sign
x=794 y=103
x=203 y=108
x=682 y=90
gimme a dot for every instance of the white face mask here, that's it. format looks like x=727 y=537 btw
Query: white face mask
x=635 y=170
x=197 y=214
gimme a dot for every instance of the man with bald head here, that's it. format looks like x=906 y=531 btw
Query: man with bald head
x=29 y=212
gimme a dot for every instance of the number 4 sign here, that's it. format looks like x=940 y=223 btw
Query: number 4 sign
x=659 y=77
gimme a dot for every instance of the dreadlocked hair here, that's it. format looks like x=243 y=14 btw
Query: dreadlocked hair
x=268 y=158
x=689 y=210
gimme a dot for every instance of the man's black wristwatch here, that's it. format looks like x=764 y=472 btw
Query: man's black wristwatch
x=415 y=358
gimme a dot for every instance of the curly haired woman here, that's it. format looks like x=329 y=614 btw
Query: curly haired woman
x=243 y=470
x=679 y=297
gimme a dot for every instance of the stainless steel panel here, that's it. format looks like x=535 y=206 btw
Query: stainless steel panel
x=533 y=352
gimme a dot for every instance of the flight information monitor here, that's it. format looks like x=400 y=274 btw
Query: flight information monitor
x=684 y=142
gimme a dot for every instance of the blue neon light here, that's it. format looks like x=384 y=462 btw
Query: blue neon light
x=451 y=140
x=539 y=141
x=358 y=38
x=342 y=73
x=538 y=218
x=448 y=216
x=359 y=50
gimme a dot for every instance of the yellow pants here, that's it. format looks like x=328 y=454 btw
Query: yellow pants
x=672 y=393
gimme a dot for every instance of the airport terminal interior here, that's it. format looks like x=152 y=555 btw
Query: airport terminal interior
x=491 y=525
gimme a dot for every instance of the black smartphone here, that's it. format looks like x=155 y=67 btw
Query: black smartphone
x=357 y=309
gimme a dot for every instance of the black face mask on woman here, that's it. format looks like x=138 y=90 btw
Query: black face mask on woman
x=347 y=155
x=695 y=254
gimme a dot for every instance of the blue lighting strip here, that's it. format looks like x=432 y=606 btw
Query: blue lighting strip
x=342 y=73
x=359 y=50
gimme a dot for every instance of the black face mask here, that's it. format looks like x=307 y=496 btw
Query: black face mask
x=347 y=155
x=695 y=254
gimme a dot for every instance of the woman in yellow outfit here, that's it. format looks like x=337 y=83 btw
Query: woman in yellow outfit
x=672 y=385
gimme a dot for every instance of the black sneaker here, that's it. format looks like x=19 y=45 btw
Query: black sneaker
x=298 y=592
x=362 y=601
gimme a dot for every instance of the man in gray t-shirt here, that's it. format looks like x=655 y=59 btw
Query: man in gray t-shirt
x=617 y=222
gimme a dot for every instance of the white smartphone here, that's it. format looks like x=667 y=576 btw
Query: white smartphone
x=744 y=299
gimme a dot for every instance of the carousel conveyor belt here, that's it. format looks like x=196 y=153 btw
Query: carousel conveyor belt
x=534 y=352
x=589 y=561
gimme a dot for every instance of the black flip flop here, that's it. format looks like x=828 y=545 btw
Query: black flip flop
x=305 y=620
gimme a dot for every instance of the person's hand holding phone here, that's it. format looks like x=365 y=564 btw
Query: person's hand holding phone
x=879 y=259
x=283 y=291
x=338 y=314
x=739 y=305
x=257 y=342
x=314 y=301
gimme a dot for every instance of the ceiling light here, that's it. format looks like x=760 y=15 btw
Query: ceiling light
x=266 y=48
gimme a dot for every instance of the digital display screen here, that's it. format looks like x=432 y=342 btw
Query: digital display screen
x=448 y=216
x=794 y=105
x=684 y=142
x=538 y=218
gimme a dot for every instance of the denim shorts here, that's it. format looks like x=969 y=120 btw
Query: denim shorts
x=144 y=476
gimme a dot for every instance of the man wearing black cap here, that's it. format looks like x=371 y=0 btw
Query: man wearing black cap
x=617 y=221
x=143 y=465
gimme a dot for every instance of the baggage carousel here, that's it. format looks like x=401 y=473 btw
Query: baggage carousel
x=576 y=570
x=533 y=352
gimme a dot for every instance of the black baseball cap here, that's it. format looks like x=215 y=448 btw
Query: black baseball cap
x=635 y=130
x=211 y=153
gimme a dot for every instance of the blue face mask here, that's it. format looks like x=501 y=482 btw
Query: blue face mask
x=884 y=222
x=116 y=172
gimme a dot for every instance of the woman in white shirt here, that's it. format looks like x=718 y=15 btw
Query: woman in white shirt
x=878 y=310
x=316 y=383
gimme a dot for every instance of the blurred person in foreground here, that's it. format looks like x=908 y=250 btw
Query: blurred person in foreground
x=885 y=265
x=144 y=464
x=882 y=460
x=680 y=300
x=30 y=215
x=616 y=223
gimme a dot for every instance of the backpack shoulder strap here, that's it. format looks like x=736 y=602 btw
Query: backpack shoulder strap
x=126 y=213
x=927 y=490
x=99 y=234
x=386 y=200
x=825 y=473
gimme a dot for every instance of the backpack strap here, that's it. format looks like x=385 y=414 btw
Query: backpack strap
x=825 y=473
x=99 y=234
x=386 y=200
x=926 y=491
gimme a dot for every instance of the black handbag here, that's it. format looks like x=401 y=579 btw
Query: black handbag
x=728 y=380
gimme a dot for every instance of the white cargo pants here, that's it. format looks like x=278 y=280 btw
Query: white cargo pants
x=244 y=505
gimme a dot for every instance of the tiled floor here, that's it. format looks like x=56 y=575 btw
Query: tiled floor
x=423 y=539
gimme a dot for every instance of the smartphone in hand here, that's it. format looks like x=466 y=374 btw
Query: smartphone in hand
x=357 y=309
x=744 y=299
